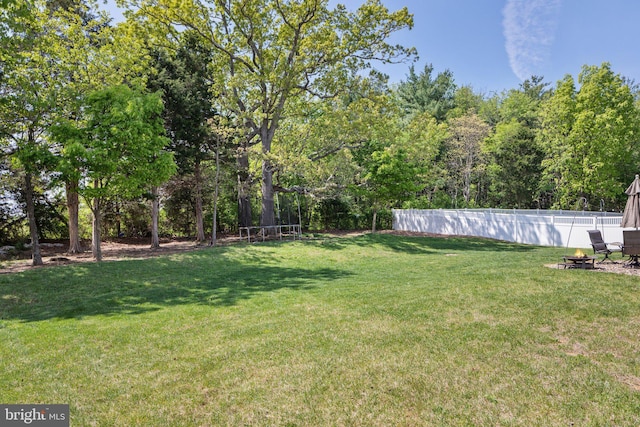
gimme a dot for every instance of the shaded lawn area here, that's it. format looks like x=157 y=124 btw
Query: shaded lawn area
x=375 y=330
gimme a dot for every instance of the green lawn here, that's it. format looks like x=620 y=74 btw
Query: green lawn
x=376 y=330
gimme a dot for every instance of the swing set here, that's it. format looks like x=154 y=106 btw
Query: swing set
x=284 y=230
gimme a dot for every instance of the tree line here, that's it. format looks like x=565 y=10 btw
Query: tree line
x=210 y=115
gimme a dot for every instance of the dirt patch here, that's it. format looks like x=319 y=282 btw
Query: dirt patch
x=632 y=382
x=55 y=253
x=111 y=251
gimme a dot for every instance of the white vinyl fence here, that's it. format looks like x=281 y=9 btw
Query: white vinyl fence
x=536 y=227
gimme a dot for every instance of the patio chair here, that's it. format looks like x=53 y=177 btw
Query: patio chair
x=600 y=247
x=631 y=246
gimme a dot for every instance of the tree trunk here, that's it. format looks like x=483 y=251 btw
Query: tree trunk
x=244 y=189
x=155 y=213
x=214 y=230
x=73 y=204
x=375 y=218
x=197 y=176
x=118 y=222
x=96 y=250
x=36 y=256
x=267 y=218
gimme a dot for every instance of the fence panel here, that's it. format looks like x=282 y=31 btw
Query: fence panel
x=536 y=227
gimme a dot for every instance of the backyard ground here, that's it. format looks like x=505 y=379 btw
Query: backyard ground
x=139 y=248
x=55 y=252
x=362 y=330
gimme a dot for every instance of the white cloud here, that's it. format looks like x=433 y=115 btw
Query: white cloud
x=529 y=28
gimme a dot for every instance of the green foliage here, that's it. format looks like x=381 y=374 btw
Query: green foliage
x=131 y=219
x=514 y=166
x=463 y=158
x=29 y=88
x=267 y=53
x=50 y=217
x=424 y=94
x=466 y=101
x=286 y=79
x=118 y=150
x=182 y=77
x=514 y=155
x=14 y=17
x=180 y=206
x=315 y=146
x=388 y=177
x=333 y=214
x=606 y=129
x=120 y=146
x=48 y=208
x=424 y=140
x=557 y=118
x=58 y=52
x=590 y=138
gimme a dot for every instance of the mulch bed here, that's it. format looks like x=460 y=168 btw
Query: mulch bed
x=114 y=250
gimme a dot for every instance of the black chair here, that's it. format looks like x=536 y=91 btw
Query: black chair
x=600 y=247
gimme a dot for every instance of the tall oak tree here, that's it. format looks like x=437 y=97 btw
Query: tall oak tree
x=267 y=52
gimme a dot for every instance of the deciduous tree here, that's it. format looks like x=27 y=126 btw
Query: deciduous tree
x=389 y=177
x=268 y=52
x=590 y=137
x=464 y=154
x=29 y=91
x=513 y=153
x=119 y=147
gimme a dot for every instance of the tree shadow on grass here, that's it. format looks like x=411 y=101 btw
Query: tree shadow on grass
x=139 y=286
x=218 y=277
x=425 y=244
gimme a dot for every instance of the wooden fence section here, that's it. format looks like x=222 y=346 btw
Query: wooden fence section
x=536 y=227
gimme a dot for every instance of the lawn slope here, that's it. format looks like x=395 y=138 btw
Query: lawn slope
x=374 y=330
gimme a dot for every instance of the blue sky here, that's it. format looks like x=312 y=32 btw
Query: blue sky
x=493 y=44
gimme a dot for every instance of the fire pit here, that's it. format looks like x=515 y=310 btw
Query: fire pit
x=579 y=260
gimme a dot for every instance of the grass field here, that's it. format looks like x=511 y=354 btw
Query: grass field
x=375 y=330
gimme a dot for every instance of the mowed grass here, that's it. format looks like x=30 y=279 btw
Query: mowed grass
x=375 y=330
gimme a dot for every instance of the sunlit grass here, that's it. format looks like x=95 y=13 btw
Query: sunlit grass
x=374 y=330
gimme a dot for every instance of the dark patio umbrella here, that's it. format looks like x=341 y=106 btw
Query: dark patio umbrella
x=631 y=214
